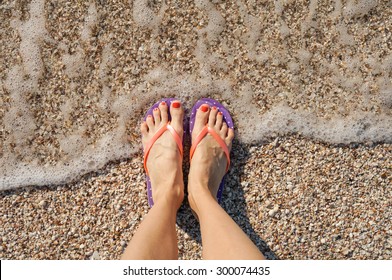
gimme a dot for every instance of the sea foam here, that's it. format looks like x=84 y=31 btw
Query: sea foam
x=70 y=105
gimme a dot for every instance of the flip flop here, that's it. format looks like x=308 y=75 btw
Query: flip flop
x=157 y=134
x=227 y=119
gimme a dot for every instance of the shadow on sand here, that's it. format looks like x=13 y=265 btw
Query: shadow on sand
x=233 y=201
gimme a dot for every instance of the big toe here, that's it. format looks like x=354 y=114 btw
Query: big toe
x=201 y=118
x=177 y=116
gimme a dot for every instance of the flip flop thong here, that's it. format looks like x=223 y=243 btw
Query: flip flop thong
x=157 y=134
x=227 y=119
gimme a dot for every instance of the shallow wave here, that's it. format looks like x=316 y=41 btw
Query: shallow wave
x=77 y=78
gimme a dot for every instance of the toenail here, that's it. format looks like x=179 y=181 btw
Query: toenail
x=163 y=103
x=219 y=113
x=214 y=108
x=204 y=107
x=149 y=116
x=176 y=104
x=155 y=109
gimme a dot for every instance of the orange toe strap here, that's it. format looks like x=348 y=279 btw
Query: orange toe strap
x=158 y=134
x=222 y=143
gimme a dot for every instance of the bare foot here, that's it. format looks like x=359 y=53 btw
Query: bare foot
x=209 y=162
x=164 y=162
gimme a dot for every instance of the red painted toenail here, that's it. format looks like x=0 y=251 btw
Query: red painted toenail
x=176 y=104
x=219 y=113
x=204 y=108
x=214 y=108
x=163 y=103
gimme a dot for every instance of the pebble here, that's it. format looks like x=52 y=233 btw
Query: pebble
x=95 y=256
x=272 y=213
x=43 y=203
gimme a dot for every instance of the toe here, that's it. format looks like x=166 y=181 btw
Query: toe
x=144 y=129
x=202 y=115
x=201 y=119
x=150 y=122
x=212 y=117
x=157 y=117
x=230 y=135
x=219 y=120
x=223 y=131
x=177 y=116
x=164 y=114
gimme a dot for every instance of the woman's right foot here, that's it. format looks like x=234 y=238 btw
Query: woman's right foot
x=164 y=162
x=209 y=162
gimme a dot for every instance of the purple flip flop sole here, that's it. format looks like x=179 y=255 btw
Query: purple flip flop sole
x=150 y=112
x=226 y=118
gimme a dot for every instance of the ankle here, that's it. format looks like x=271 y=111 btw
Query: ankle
x=172 y=195
x=198 y=195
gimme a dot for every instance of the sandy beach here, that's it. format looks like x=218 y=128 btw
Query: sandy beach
x=308 y=84
x=297 y=199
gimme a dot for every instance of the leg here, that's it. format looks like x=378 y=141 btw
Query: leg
x=156 y=237
x=222 y=237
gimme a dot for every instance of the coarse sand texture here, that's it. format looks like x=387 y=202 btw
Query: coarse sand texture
x=308 y=84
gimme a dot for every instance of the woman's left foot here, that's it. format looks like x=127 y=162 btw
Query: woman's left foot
x=209 y=162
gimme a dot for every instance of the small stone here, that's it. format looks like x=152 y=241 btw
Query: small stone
x=279 y=156
x=377 y=237
x=390 y=242
x=267 y=203
x=123 y=224
x=272 y=213
x=95 y=256
x=322 y=240
x=244 y=184
x=43 y=203
x=276 y=142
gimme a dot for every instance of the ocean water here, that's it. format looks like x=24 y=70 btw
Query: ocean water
x=77 y=76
